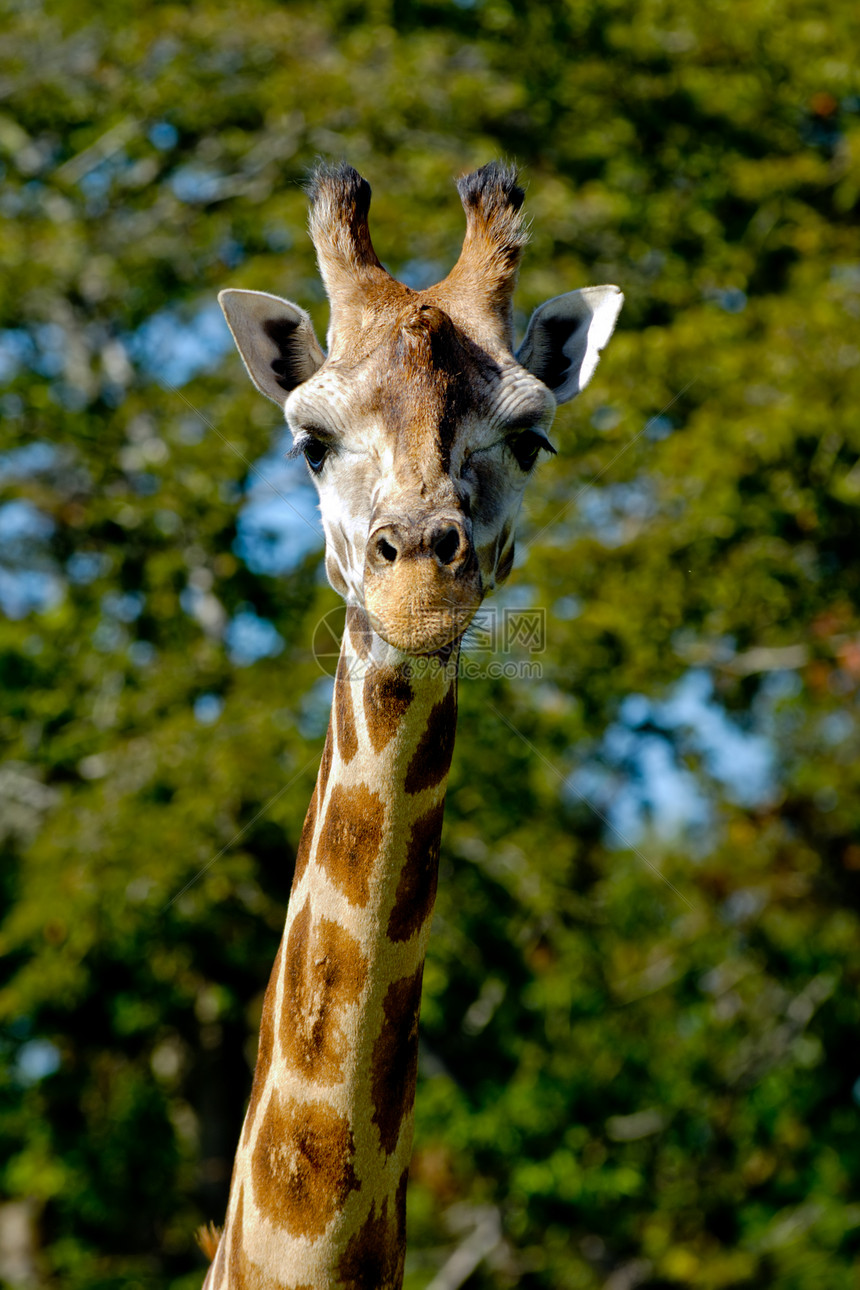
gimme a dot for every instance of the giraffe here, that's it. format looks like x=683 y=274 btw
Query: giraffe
x=420 y=429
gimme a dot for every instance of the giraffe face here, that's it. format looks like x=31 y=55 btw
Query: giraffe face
x=420 y=442
x=420 y=427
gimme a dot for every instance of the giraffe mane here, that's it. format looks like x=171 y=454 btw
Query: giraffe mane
x=208 y=1237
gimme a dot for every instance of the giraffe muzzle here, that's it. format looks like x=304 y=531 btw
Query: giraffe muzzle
x=443 y=540
x=422 y=584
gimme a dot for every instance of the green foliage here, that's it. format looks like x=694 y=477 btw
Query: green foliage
x=639 y=1052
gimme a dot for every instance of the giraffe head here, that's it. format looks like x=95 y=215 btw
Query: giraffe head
x=420 y=426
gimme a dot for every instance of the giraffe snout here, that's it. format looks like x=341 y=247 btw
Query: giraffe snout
x=422 y=583
x=444 y=540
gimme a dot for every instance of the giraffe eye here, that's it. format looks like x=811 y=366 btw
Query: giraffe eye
x=526 y=446
x=315 y=451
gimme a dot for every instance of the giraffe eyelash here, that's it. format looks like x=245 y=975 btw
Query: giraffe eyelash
x=526 y=445
x=314 y=447
x=303 y=438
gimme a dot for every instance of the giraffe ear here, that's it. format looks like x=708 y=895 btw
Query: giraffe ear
x=565 y=336
x=275 y=338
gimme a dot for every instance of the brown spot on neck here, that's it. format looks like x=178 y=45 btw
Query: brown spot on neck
x=359 y=630
x=304 y=848
x=302 y=1165
x=432 y=758
x=325 y=764
x=325 y=971
x=387 y=696
x=237 y=1252
x=395 y=1059
x=350 y=838
x=374 y=1257
x=347 y=739
x=416 y=890
x=266 y=1047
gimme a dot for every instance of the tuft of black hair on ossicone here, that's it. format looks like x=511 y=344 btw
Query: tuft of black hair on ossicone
x=341 y=184
x=340 y=202
x=492 y=187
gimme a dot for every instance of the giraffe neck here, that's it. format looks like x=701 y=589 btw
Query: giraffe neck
x=318 y=1196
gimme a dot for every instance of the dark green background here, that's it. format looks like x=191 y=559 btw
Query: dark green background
x=632 y=1083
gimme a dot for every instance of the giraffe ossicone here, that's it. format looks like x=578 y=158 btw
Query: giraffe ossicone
x=420 y=426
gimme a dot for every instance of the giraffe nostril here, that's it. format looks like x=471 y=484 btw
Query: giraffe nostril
x=447 y=545
x=386 y=550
